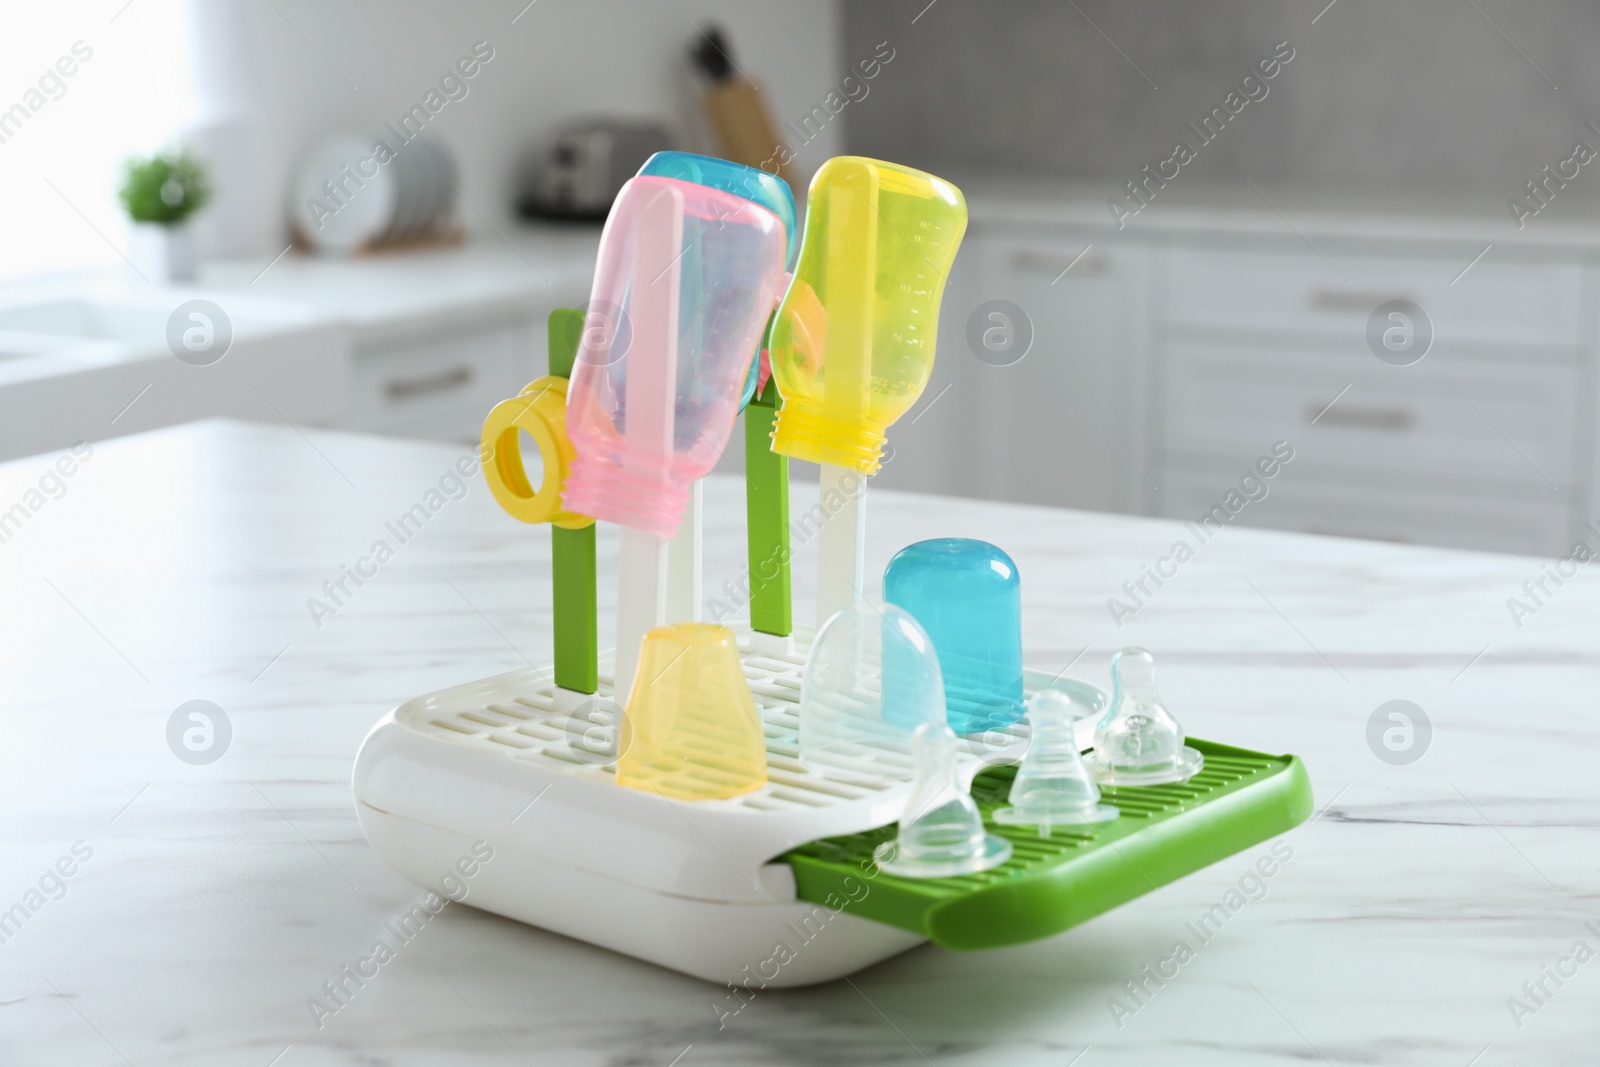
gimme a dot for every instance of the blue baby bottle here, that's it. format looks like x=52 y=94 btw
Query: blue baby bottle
x=967 y=597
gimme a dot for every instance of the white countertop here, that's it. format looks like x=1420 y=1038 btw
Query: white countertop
x=544 y=262
x=547 y=263
x=298 y=319
x=176 y=566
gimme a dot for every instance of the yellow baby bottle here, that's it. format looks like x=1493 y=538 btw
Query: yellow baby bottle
x=852 y=347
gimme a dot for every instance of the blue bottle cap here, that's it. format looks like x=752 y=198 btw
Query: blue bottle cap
x=768 y=190
x=757 y=186
x=968 y=597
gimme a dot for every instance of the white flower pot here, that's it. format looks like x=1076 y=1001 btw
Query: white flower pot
x=164 y=254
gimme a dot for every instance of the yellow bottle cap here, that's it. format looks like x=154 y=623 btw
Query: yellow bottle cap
x=540 y=410
x=691 y=730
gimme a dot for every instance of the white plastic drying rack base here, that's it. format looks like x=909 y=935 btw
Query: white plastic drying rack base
x=689 y=885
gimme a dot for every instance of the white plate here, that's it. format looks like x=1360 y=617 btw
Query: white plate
x=429 y=160
x=409 y=183
x=422 y=162
x=445 y=165
x=340 y=225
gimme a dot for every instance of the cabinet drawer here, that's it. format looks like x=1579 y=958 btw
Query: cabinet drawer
x=1062 y=425
x=1303 y=503
x=1499 y=299
x=1467 y=420
x=418 y=383
x=1053 y=259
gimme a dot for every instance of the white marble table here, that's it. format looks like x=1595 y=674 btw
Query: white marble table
x=217 y=899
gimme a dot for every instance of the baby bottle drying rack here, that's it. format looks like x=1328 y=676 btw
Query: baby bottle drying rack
x=710 y=888
x=698 y=886
x=776 y=886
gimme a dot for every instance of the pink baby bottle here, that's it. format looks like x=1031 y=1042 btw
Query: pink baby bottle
x=683 y=286
x=685 y=280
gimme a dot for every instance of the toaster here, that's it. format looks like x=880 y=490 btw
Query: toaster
x=579 y=173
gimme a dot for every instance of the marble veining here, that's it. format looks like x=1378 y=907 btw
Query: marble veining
x=219 y=898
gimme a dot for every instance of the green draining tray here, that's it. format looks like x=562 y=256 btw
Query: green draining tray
x=1052 y=883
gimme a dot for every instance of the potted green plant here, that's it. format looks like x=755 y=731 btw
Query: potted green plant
x=161 y=194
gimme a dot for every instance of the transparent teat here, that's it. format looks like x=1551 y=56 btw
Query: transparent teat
x=1053 y=787
x=871 y=679
x=1139 y=742
x=941 y=833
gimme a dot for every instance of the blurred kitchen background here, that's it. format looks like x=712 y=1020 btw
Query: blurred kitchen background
x=1353 y=244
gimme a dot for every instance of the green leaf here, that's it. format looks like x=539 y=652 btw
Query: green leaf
x=166 y=188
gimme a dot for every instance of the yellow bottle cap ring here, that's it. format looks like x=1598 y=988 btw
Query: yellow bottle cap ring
x=540 y=410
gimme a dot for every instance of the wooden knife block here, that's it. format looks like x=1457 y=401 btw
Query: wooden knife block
x=743 y=124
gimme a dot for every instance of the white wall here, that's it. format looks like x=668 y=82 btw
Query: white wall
x=282 y=80
x=83 y=86
x=1409 y=98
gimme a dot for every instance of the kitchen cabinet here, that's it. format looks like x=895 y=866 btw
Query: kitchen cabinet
x=435 y=339
x=1277 y=288
x=1346 y=504
x=1486 y=425
x=419 y=344
x=1045 y=336
x=438 y=381
x=1476 y=444
x=94 y=358
x=1166 y=362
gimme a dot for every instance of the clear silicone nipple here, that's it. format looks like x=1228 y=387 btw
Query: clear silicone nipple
x=1139 y=742
x=1053 y=786
x=941 y=832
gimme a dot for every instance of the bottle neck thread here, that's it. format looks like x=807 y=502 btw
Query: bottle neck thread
x=652 y=500
x=817 y=437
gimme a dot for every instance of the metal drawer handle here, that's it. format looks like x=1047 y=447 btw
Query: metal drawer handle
x=1345 y=300
x=1395 y=419
x=1055 y=264
x=407 y=388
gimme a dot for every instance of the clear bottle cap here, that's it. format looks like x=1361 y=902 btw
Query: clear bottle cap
x=856 y=717
x=1139 y=742
x=941 y=833
x=1053 y=787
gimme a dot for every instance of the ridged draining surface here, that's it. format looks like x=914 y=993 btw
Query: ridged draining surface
x=1223 y=772
x=524 y=723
